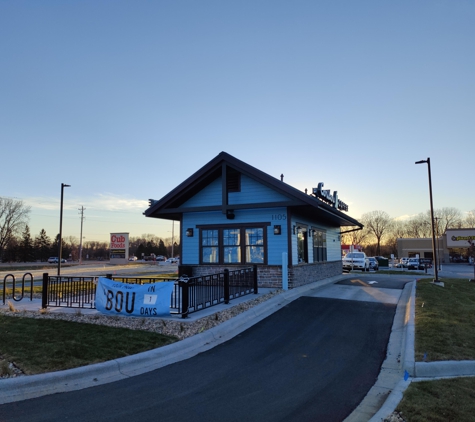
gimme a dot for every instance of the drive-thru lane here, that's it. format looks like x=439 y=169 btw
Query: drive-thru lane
x=313 y=360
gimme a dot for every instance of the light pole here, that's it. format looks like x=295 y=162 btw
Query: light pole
x=434 y=250
x=61 y=228
x=438 y=240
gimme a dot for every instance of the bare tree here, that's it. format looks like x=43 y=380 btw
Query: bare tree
x=398 y=231
x=470 y=220
x=378 y=223
x=355 y=237
x=448 y=218
x=13 y=219
x=419 y=226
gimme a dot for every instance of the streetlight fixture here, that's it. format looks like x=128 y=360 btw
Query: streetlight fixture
x=61 y=228
x=434 y=250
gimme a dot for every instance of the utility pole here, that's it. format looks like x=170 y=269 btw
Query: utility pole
x=82 y=209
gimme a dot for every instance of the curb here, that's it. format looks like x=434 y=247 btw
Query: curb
x=407 y=350
x=447 y=369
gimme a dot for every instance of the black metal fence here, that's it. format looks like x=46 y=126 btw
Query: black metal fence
x=68 y=292
x=196 y=293
x=189 y=294
x=78 y=292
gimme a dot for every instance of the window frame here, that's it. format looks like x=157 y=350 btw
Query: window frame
x=243 y=246
x=320 y=246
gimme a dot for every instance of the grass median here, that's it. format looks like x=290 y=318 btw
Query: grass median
x=38 y=345
x=445 y=330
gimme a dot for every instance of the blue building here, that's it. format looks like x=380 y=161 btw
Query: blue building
x=233 y=215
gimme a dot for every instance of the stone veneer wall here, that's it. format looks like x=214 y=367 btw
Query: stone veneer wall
x=270 y=276
x=302 y=274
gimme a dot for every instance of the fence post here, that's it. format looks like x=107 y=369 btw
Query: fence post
x=226 y=286
x=255 y=279
x=44 y=292
x=4 y=289
x=184 y=298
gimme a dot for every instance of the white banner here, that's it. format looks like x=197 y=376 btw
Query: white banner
x=147 y=300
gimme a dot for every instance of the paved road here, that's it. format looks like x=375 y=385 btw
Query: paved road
x=92 y=269
x=313 y=360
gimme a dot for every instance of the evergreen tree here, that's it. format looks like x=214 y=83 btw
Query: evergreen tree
x=26 y=246
x=43 y=246
x=162 y=249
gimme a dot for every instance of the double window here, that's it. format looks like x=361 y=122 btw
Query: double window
x=233 y=245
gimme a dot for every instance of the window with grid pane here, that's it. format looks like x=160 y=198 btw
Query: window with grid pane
x=255 y=245
x=232 y=245
x=210 y=246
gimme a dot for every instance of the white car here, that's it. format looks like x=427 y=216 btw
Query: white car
x=414 y=264
x=172 y=260
x=356 y=261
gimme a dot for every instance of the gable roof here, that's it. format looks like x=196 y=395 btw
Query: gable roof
x=170 y=206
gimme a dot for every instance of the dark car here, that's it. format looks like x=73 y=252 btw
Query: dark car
x=373 y=263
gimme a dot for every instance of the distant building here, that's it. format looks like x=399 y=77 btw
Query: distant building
x=233 y=215
x=350 y=248
x=453 y=242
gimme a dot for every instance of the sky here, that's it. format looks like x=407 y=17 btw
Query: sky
x=124 y=100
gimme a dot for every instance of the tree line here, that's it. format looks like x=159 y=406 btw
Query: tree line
x=378 y=237
x=381 y=231
x=18 y=245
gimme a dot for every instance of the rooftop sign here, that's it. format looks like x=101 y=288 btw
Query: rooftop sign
x=327 y=197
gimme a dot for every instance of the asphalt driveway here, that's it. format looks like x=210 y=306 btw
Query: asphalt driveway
x=313 y=360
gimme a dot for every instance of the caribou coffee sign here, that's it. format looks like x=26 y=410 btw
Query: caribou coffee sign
x=325 y=196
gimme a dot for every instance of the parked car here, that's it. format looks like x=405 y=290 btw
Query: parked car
x=160 y=258
x=356 y=261
x=55 y=259
x=172 y=260
x=402 y=263
x=414 y=264
x=373 y=263
x=133 y=258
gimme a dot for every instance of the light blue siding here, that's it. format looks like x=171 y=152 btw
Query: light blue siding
x=333 y=244
x=252 y=192
x=208 y=196
x=276 y=244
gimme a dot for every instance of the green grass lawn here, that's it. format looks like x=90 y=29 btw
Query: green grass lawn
x=445 y=330
x=445 y=320
x=448 y=400
x=41 y=345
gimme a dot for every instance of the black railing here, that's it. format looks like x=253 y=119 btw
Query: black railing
x=78 y=292
x=189 y=294
x=69 y=292
x=196 y=293
x=14 y=297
